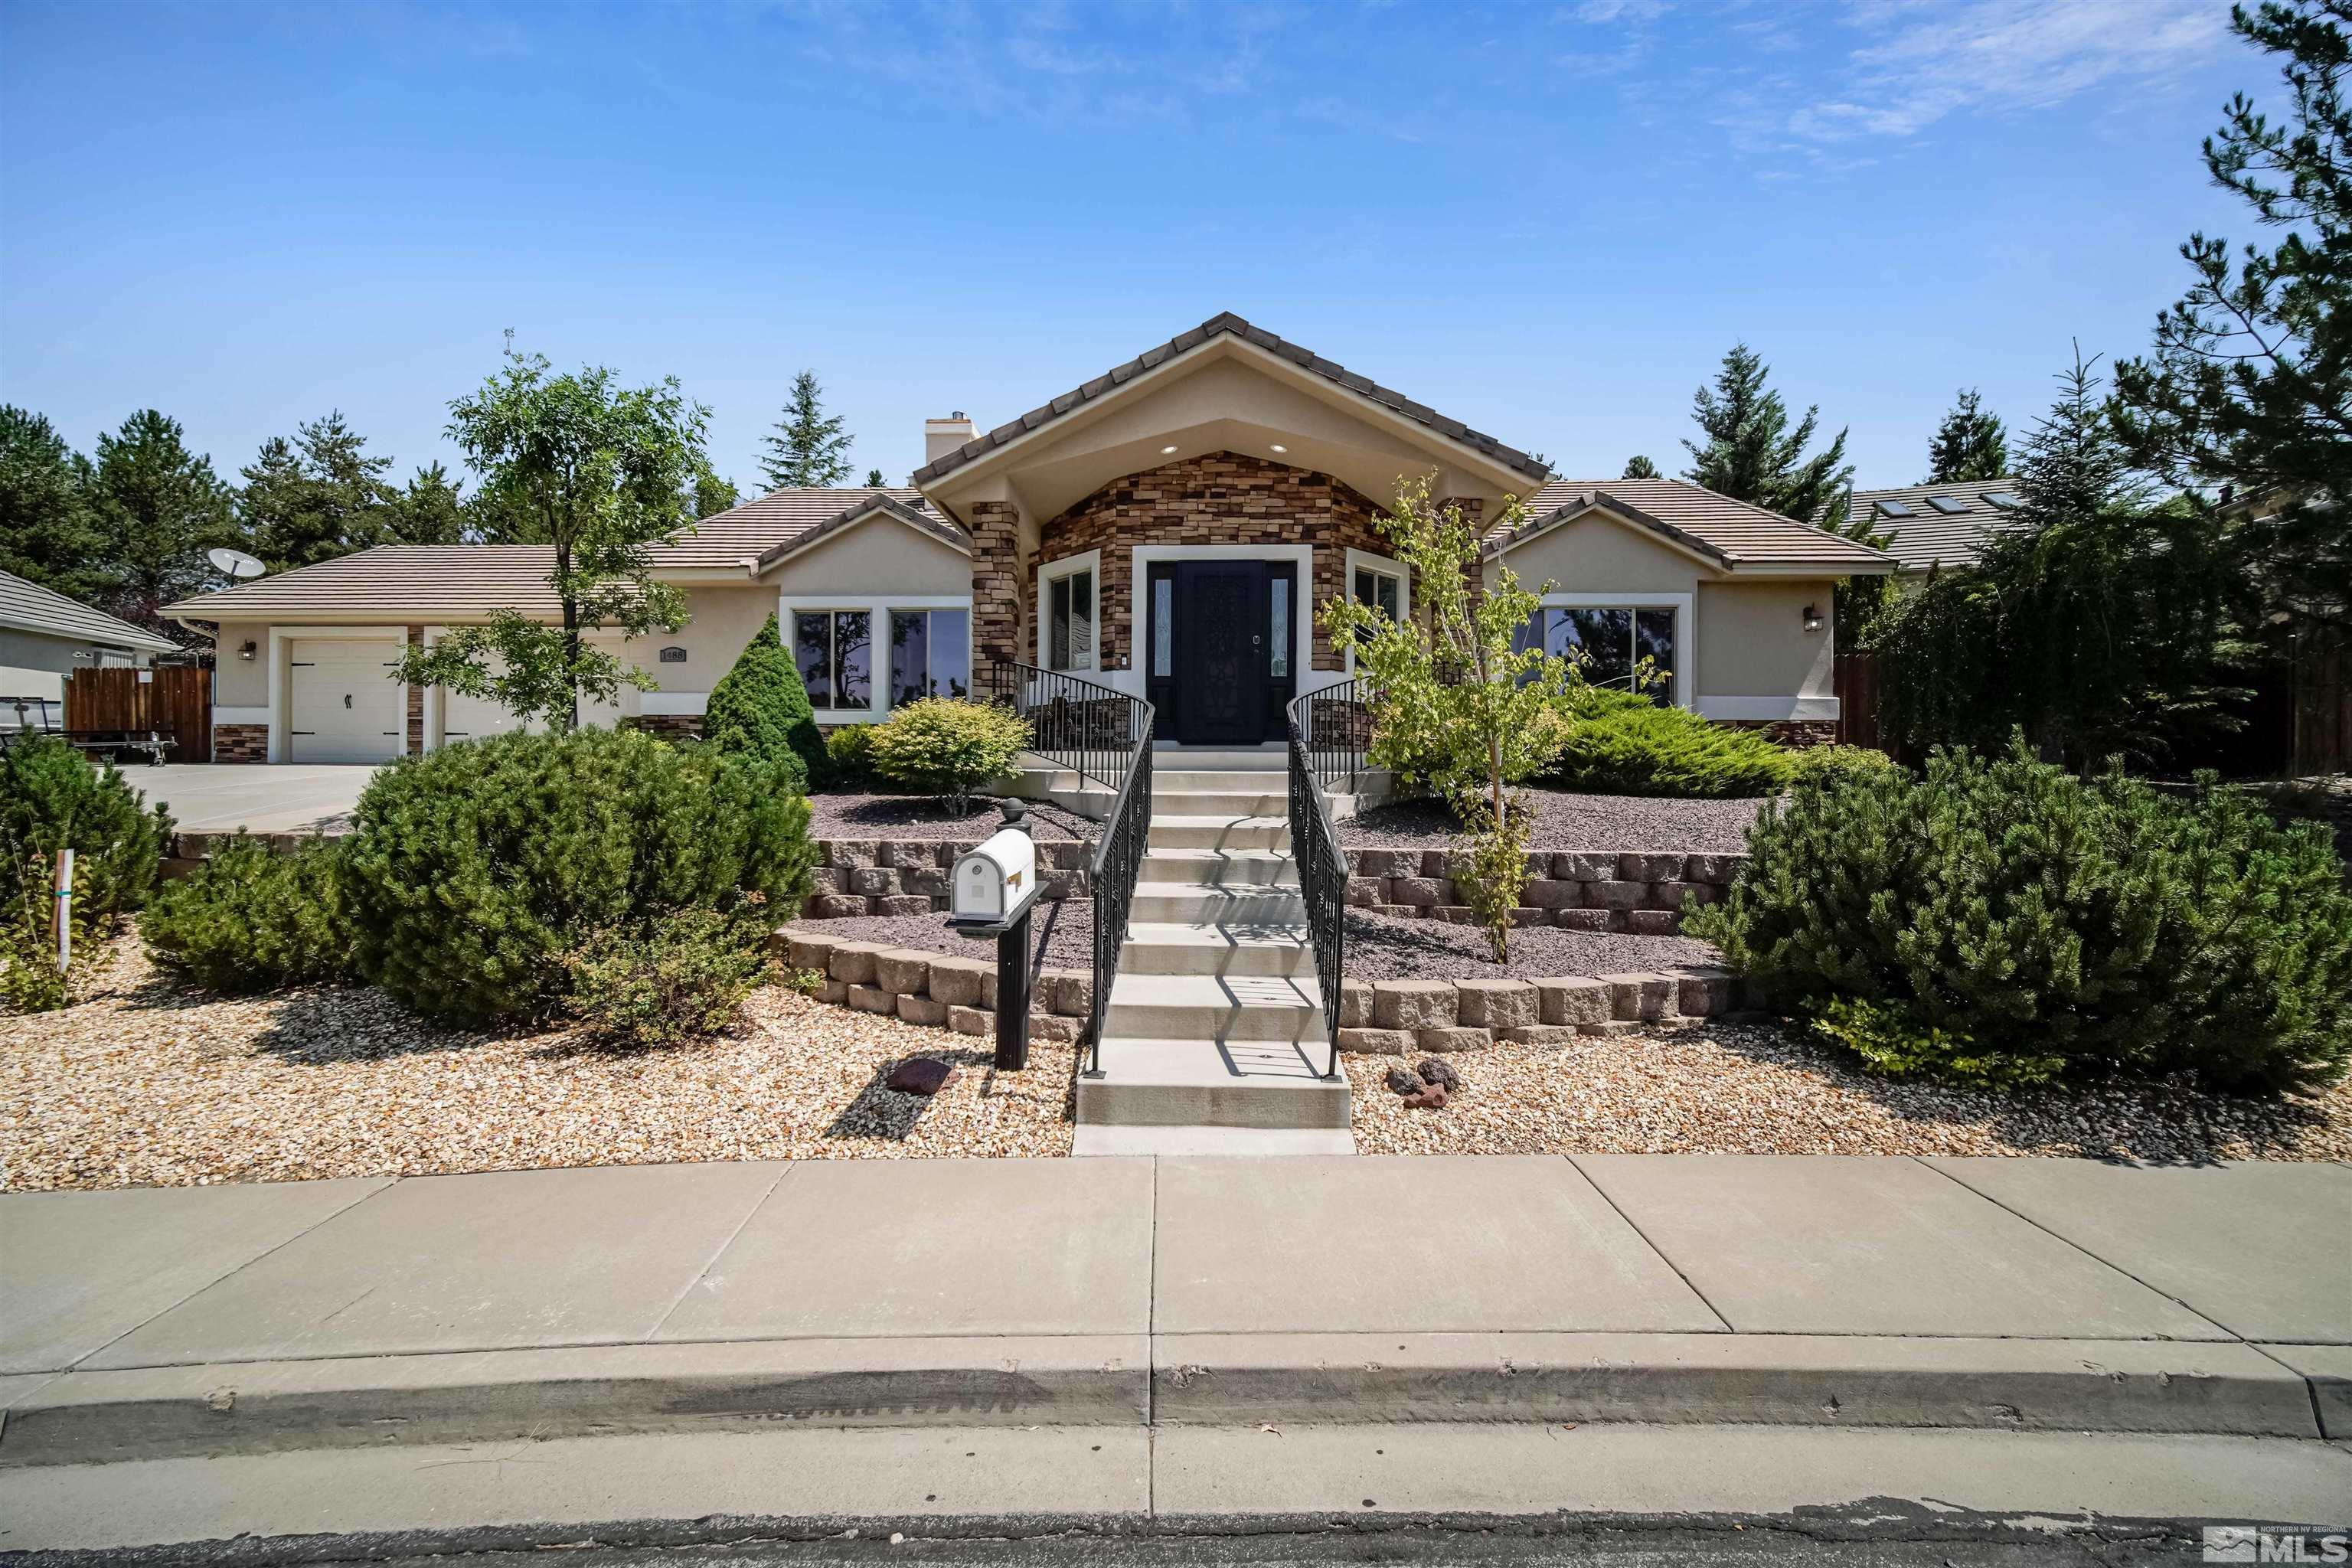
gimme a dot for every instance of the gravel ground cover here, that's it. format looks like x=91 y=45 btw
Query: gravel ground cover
x=1379 y=947
x=923 y=816
x=1762 y=1088
x=1565 y=821
x=147 y=1084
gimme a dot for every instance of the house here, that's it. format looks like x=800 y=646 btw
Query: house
x=1947 y=525
x=1164 y=529
x=46 y=637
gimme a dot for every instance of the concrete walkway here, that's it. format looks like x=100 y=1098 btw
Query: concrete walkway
x=1827 y=1292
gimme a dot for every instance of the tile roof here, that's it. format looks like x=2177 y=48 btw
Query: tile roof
x=1731 y=531
x=1929 y=535
x=1229 y=324
x=922 y=518
x=30 y=608
x=763 y=522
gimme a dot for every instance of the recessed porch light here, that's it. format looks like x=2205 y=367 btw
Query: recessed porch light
x=1167 y=451
x=1277 y=446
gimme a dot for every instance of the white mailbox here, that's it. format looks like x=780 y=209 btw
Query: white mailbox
x=992 y=882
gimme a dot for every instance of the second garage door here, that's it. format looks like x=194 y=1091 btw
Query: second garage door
x=343 y=703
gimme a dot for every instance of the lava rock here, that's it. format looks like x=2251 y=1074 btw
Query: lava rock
x=1430 y=1099
x=1403 y=1082
x=1439 y=1073
x=920 y=1075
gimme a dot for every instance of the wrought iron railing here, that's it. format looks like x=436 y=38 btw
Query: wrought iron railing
x=1119 y=861
x=1079 y=724
x=1334 y=726
x=1322 y=869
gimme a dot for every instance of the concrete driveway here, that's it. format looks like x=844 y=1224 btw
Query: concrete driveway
x=221 y=797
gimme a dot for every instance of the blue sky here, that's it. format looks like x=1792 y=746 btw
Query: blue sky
x=1547 y=221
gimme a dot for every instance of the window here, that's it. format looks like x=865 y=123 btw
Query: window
x=833 y=649
x=2005 y=500
x=1609 y=643
x=1279 y=633
x=1950 y=506
x=1070 y=620
x=1384 y=591
x=1163 y=630
x=1894 y=508
x=931 y=654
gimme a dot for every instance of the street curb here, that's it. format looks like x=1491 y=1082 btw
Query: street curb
x=1178 y=1380
x=2107 y=1386
x=258 y=1407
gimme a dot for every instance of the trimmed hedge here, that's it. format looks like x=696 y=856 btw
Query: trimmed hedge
x=1622 y=743
x=475 y=869
x=945 y=746
x=2009 y=921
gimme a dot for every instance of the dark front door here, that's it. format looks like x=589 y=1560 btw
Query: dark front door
x=1221 y=627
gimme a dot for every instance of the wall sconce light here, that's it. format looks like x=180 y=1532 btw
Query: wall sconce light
x=246 y=649
x=1812 y=619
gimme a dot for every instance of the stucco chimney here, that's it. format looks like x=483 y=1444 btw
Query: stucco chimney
x=941 y=437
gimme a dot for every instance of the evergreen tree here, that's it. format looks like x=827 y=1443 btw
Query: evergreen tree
x=760 y=711
x=1639 y=467
x=2250 y=382
x=47 y=533
x=158 y=507
x=808 y=446
x=874 y=479
x=1970 y=444
x=713 y=495
x=431 y=511
x=1752 y=454
x=1861 y=603
x=316 y=496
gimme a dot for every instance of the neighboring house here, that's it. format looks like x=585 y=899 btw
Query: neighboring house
x=1164 y=529
x=1937 y=525
x=46 y=637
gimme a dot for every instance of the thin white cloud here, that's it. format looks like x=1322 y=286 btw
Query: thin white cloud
x=1928 y=61
x=1606 y=11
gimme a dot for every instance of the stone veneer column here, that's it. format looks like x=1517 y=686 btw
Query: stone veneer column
x=416 y=702
x=997 y=589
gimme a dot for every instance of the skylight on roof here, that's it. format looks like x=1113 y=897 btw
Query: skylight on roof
x=1894 y=508
x=2005 y=500
x=1949 y=505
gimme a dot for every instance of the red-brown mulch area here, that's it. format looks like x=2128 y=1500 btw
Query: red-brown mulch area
x=926 y=817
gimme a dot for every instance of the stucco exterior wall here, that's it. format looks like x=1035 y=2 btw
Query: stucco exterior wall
x=62 y=655
x=724 y=621
x=876 y=557
x=1752 y=641
x=241 y=682
x=1596 y=554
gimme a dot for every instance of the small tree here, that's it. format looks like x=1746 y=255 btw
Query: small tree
x=1454 y=706
x=808 y=446
x=946 y=746
x=874 y=480
x=1970 y=444
x=599 y=472
x=760 y=711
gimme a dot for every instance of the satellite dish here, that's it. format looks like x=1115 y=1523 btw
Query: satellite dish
x=235 y=564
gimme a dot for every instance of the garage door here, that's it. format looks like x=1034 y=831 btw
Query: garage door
x=467 y=718
x=345 y=706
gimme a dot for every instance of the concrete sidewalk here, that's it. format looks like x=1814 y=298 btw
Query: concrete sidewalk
x=1815 y=1291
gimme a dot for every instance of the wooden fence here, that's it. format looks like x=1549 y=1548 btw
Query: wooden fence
x=1858 y=690
x=176 y=698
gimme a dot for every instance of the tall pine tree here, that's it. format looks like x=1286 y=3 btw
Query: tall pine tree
x=1750 y=451
x=431 y=511
x=808 y=446
x=47 y=535
x=317 y=496
x=1639 y=467
x=158 y=507
x=1970 y=444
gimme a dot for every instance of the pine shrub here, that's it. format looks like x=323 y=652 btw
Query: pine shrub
x=760 y=711
x=52 y=799
x=679 y=980
x=475 y=869
x=2085 y=926
x=945 y=746
x=1623 y=743
x=1828 y=765
x=250 y=919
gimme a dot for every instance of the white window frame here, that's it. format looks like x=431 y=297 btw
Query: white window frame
x=930 y=676
x=1049 y=573
x=878 y=608
x=1686 y=629
x=1387 y=566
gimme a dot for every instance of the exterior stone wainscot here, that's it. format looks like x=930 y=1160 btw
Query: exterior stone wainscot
x=240 y=742
x=937 y=990
x=1395 y=1017
x=910 y=875
x=1640 y=892
x=669 y=726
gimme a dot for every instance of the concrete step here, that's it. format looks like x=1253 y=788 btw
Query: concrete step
x=1219 y=781
x=1220 y=832
x=1175 y=948
x=1221 y=867
x=1111 y=1140
x=1225 y=1008
x=1274 y=755
x=1191 y=903
x=1274 y=802
x=1162 y=1082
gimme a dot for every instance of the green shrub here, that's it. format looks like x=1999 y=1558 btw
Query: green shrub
x=2090 y=925
x=944 y=746
x=250 y=919
x=1626 y=744
x=677 y=979
x=849 y=758
x=1890 y=1039
x=475 y=869
x=52 y=799
x=760 y=711
x=1831 y=764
